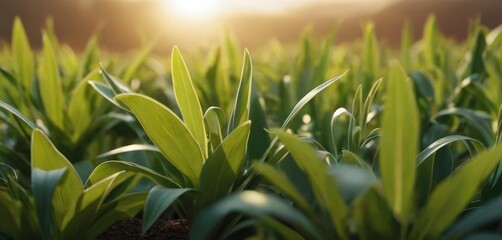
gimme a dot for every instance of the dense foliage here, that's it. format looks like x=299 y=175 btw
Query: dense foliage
x=315 y=141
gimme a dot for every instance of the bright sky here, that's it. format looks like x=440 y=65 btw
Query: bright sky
x=210 y=8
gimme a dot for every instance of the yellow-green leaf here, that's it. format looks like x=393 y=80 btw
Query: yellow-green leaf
x=51 y=90
x=399 y=144
x=188 y=101
x=46 y=157
x=168 y=133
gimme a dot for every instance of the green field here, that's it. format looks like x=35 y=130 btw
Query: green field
x=316 y=140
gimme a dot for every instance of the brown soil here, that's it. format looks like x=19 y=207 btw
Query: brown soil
x=162 y=230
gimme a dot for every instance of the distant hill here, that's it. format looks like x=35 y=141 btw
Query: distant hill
x=123 y=22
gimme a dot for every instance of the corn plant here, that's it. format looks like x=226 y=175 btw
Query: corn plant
x=58 y=205
x=50 y=92
x=345 y=201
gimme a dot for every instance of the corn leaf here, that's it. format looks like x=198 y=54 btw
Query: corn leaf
x=305 y=99
x=125 y=207
x=240 y=112
x=223 y=166
x=399 y=144
x=476 y=219
x=215 y=121
x=188 y=101
x=46 y=157
x=281 y=181
x=51 y=90
x=253 y=204
x=44 y=184
x=371 y=206
x=23 y=57
x=82 y=214
x=325 y=189
x=136 y=62
x=103 y=170
x=451 y=196
x=438 y=144
x=168 y=133
x=158 y=200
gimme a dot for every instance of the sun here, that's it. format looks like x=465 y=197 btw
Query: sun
x=193 y=9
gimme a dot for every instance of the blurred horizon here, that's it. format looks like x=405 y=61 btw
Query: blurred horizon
x=125 y=24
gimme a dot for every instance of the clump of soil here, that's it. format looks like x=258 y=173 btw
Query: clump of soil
x=130 y=229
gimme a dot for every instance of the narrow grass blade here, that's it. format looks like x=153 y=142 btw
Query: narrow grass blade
x=298 y=107
x=240 y=112
x=399 y=144
x=18 y=114
x=168 y=133
x=480 y=121
x=438 y=144
x=188 y=101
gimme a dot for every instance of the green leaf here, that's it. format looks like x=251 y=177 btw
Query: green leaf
x=223 y=166
x=480 y=121
x=438 y=144
x=23 y=57
x=215 y=120
x=476 y=61
x=168 y=133
x=129 y=148
x=353 y=181
x=476 y=219
x=325 y=189
x=44 y=184
x=50 y=85
x=46 y=157
x=298 y=107
x=188 y=101
x=253 y=204
x=104 y=170
x=85 y=209
x=430 y=43
x=10 y=209
x=399 y=144
x=114 y=84
x=158 y=200
x=451 y=196
x=18 y=114
x=278 y=179
x=81 y=108
x=374 y=217
x=127 y=206
x=240 y=112
x=107 y=93
x=136 y=62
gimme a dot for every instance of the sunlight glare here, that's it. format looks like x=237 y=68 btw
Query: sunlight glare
x=194 y=9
